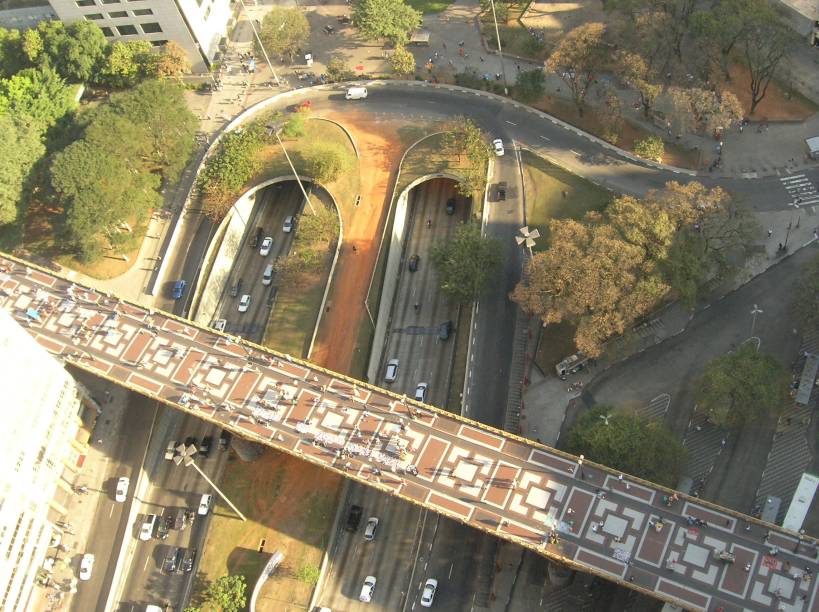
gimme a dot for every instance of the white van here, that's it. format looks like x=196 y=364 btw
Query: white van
x=356 y=93
x=267 y=277
x=204 y=504
x=147 y=527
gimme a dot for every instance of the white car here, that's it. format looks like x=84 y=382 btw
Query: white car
x=429 y=592
x=244 y=303
x=147 y=529
x=267 y=243
x=498 y=144
x=204 y=504
x=368 y=590
x=86 y=566
x=122 y=489
x=288 y=225
x=369 y=530
x=421 y=392
x=391 y=372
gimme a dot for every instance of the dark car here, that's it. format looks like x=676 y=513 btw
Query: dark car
x=172 y=560
x=187 y=564
x=501 y=191
x=204 y=446
x=414 y=262
x=257 y=237
x=236 y=288
x=224 y=440
x=191 y=441
x=450 y=206
x=179 y=289
x=164 y=525
x=444 y=330
x=353 y=518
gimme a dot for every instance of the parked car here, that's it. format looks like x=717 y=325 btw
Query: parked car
x=429 y=592
x=86 y=566
x=204 y=504
x=244 y=303
x=353 y=518
x=370 y=528
x=190 y=557
x=147 y=529
x=172 y=560
x=164 y=526
x=224 y=440
x=204 y=445
x=257 y=237
x=498 y=145
x=421 y=392
x=267 y=244
x=122 y=489
x=391 y=372
x=191 y=441
x=179 y=288
x=367 y=590
x=450 y=206
x=414 y=262
x=289 y=222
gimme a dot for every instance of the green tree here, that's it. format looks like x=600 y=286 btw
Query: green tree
x=284 y=31
x=465 y=138
x=634 y=72
x=172 y=61
x=644 y=448
x=338 y=70
x=650 y=147
x=128 y=63
x=22 y=148
x=402 y=61
x=766 y=43
x=611 y=117
x=390 y=19
x=530 y=85
x=577 y=59
x=327 y=161
x=75 y=51
x=227 y=593
x=294 y=127
x=38 y=97
x=309 y=574
x=466 y=263
x=32 y=45
x=12 y=56
x=806 y=299
x=741 y=387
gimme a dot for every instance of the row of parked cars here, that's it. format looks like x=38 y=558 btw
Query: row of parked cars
x=179 y=560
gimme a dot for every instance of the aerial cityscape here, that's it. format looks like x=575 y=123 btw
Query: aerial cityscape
x=469 y=305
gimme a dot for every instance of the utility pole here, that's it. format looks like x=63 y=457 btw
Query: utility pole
x=500 y=51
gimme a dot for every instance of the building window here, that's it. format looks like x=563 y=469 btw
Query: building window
x=207 y=12
x=140 y=12
x=110 y=1
x=85 y=2
x=116 y=14
x=106 y=31
x=150 y=28
x=159 y=43
x=126 y=30
x=94 y=16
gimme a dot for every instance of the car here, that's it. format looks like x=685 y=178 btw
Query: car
x=421 y=392
x=501 y=191
x=391 y=372
x=414 y=262
x=450 y=206
x=204 y=504
x=172 y=560
x=224 y=440
x=353 y=518
x=179 y=289
x=369 y=529
x=219 y=324
x=236 y=288
x=170 y=450
x=444 y=330
x=86 y=566
x=122 y=489
x=254 y=242
x=190 y=557
x=267 y=244
x=289 y=222
x=428 y=595
x=164 y=526
x=147 y=529
x=204 y=446
x=244 y=303
x=367 y=590
x=191 y=441
x=179 y=518
x=498 y=145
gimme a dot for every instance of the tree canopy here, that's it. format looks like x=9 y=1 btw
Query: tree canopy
x=577 y=59
x=327 y=161
x=402 y=61
x=741 y=387
x=227 y=593
x=466 y=263
x=646 y=449
x=530 y=85
x=22 y=148
x=284 y=31
x=37 y=97
x=464 y=138
x=390 y=19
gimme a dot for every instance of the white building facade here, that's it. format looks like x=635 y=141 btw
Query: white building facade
x=41 y=419
x=197 y=26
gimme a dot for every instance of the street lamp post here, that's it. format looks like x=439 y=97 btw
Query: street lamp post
x=580 y=467
x=274 y=130
x=500 y=51
x=527 y=238
x=186 y=457
x=261 y=46
x=755 y=311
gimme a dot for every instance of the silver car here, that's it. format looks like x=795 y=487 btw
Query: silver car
x=244 y=302
x=391 y=372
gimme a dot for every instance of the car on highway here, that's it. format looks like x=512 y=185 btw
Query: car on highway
x=164 y=526
x=219 y=324
x=122 y=489
x=414 y=262
x=172 y=560
x=367 y=590
x=429 y=592
x=190 y=557
x=257 y=237
x=147 y=529
x=501 y=191
x=289 y=222
x=235 y=288
x=224 y=440
x=86 y=566
x=370 y=528
x=391 y=372
x=353 y=518
x=204 y=504
x=450 y=206
x=267 y=244
x=191 y=441
x=444 y=330
x=170 y=450
x=204 y=445
x=179 y=288
x=244 y=303
x=498 y=146
x=421 y=392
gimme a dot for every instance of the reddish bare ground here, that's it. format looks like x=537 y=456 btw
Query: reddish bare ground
x=775 y=106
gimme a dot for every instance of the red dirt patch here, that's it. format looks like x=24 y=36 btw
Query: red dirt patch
x=777 y=105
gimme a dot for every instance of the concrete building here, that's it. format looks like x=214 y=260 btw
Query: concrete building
x=802 y=16
x=41 y=410
x=197 y=25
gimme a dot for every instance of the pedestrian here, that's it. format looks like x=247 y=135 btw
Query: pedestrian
x=482 y=60
x=770 y=232
x=444 y=44
x=816 y=234
x=355 y=249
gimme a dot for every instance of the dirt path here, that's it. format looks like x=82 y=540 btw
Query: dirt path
x=381 y=151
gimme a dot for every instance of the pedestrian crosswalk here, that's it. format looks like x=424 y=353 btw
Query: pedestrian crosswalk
x=801 y=190
x=703 y=444
x=656 y=408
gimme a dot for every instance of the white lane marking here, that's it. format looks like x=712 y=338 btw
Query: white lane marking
x=545 y=138
x=510 y=123
x=145 y=565
x=450 y=571
x=575 y=152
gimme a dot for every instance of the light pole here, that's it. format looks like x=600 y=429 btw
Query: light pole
x=527 y=238
x=274 y=130
x=756 y=310
x=261 y=46
x=605 y=418
x=580 y=467
x=500 y=51
x=186 y=456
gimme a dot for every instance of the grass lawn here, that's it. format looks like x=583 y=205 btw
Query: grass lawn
x=289 y=505
x=454 y=401
x=545 y=186
x=428 y=7
x=293 y=317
